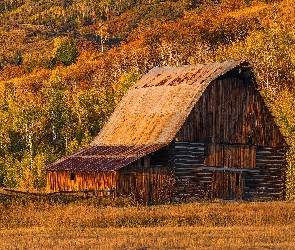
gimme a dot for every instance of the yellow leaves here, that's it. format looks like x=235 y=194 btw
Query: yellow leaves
x=103 y=31
x=283 y=108
x=270 y=51
x=124 y=82
x=246 y=11
x=65 y=50
x=72 y=146
x=87 y=57
x=53 y=12
x=280 y=13
x=29 y=82
x=292 y=54
x=38 y=59
x=58 y=41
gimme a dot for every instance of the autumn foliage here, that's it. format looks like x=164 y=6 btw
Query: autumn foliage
x=65 y=64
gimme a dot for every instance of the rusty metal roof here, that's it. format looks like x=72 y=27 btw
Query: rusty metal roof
x=147 y=118
x=102 y=158
x=192 y=75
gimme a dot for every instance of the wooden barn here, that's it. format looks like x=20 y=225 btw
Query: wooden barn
x=189 y=132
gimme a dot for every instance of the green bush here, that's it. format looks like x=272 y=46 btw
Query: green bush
x=65 y=50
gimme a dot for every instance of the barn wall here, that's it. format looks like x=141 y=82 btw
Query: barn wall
x=237 y=172
x=230 y=155
x=269 y=182
x=231 y=112
x=61 y=181
x=147 y=183
x=191 y=182
x=240 y=148
x=241 y=172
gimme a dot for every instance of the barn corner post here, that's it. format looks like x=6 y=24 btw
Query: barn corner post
x=206 y=124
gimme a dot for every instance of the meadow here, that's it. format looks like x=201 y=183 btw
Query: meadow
x=64 y=222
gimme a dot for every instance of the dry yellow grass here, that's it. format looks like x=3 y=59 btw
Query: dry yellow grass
x=279 y=237
x=89 y=225
x=79 y=215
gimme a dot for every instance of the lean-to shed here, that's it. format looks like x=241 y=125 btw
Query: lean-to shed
x=196 y=132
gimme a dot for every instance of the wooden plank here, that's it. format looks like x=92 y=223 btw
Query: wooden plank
x=230 y=169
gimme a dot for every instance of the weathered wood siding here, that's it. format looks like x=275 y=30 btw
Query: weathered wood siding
x=61 y=181
x=228 y=185
x=229 y=146
x=232 y=112
x=268 y=183
x=230 y=156
x=191 y=182
x=147 y=180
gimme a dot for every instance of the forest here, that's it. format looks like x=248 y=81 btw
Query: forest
x=65 y=64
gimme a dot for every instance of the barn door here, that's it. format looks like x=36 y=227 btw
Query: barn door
x=228 y=185
x=127 y=185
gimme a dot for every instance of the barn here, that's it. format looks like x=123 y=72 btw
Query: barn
x=189 y=132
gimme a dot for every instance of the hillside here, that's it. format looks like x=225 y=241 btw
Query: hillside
x=65 y=64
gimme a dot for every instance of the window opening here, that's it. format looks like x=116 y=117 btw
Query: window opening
x=72 y=177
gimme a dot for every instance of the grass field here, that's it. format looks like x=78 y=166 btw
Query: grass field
x=245 y=237
x=95 y=224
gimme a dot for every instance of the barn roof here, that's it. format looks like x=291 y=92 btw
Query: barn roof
x=147 y=118
x=102 y=158
x=155 y=108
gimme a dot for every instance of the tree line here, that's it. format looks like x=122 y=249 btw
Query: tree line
x=61 y=76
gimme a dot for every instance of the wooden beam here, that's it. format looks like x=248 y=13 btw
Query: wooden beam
x=230 y=169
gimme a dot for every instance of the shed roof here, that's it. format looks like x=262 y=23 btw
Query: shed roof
x=102 y=158
x=147 y=118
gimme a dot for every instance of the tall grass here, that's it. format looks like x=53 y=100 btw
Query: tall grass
x=77 y=223
x=69 y=212
x=270 y=237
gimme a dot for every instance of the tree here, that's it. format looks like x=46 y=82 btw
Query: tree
x=65 y=50
x=124 y=82
x=103 y=33
x=57 y=111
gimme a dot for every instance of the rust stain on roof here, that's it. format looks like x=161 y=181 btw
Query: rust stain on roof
x=147 y=118
x=190 y=75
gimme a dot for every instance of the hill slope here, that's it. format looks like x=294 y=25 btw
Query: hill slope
x=65 y=64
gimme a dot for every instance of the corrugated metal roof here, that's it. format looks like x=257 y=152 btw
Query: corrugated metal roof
x=102 y=158
x=147 y=118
